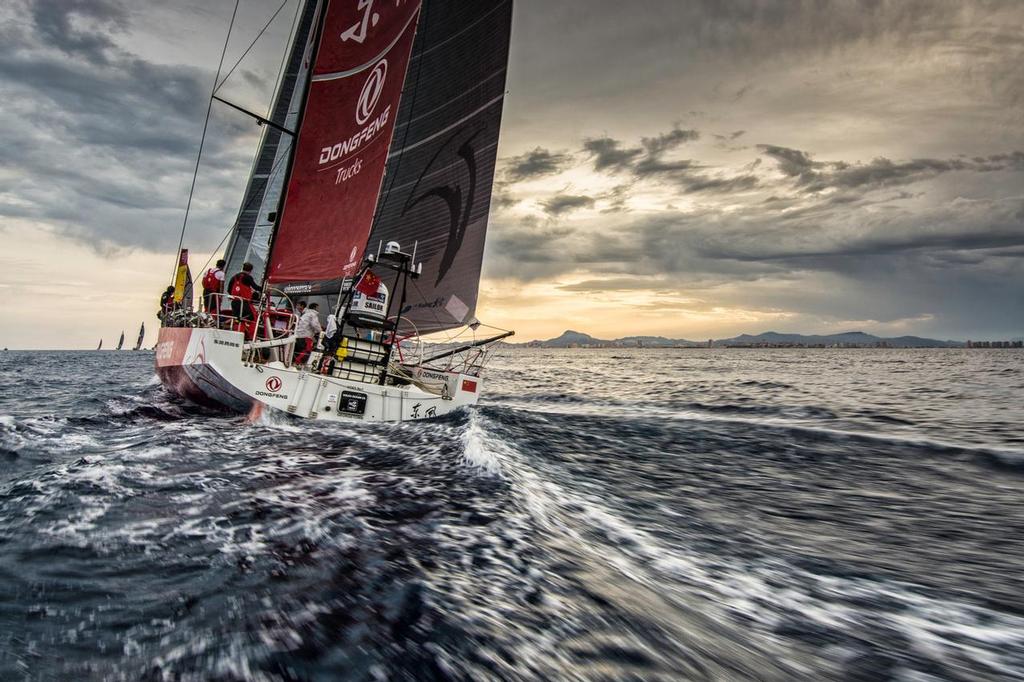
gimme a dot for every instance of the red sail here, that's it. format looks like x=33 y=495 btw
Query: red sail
x=343 y=141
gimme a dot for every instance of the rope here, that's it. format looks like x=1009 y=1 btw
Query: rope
x=202 y=141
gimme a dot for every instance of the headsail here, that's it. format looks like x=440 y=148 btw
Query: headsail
x=120 y=342
x=437 y=187
x=342 y=144
x=142 y=335
x=251 y=236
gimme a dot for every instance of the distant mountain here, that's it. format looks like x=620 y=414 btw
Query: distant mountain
x=843 y=339
x=571 y=338
x=574 y=339
x=654 y=341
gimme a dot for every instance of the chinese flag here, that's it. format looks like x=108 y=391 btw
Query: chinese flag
x=369 y=284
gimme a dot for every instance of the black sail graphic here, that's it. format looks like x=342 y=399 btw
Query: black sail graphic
x=250 y=239
x=437 y=183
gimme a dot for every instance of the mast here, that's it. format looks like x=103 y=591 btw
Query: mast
x=255 y=220
x=321 y=14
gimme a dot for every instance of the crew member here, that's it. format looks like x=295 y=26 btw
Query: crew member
x=307 y=329
x=244 y=290
x=213 y=286
x=166 y=302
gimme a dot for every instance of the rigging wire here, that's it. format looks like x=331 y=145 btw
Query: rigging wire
x=292 y=36
x=253 y=43
x=280 y=70
x=202 y=141
x=231 y=228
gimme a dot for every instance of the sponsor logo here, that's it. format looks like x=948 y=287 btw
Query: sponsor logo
x=459 y=203
x=164 y=350
x=264 y=394
x=298 y=288
x=346 y=147
x=219 y=342
x=274 y=384
x=347 y=172
x=372 y=88
x=357 y=32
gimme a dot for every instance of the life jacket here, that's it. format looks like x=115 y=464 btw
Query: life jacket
x=210 y=281
x=239 y=288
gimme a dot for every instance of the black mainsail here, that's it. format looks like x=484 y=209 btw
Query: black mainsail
x=437 y=187
x=142 y=335
x=120 y=342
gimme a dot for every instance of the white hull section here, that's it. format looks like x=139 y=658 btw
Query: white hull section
x=205 y=365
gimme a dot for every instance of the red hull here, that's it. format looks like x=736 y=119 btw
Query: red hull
x=194 y=379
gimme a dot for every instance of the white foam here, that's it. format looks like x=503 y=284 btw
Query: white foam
x=480 y=450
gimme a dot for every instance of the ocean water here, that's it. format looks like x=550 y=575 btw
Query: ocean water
x=602 y=515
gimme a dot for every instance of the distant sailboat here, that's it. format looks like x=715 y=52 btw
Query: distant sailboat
x=120 y=342
x=100 y=347
x=142 y=335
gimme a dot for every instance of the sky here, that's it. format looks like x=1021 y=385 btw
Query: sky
x=685 y=168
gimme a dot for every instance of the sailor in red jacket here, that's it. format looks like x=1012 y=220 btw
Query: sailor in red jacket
x=243 y=291
x=213 y=286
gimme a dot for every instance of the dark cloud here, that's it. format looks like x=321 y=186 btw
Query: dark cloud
x=103 y=141
x=817 y=176
x=565 y=203
x=535 y=164
x=663 y=142
x=703 y=183
x=648 y=162
x=792 y=162
x=78 y=27
x=608 y=153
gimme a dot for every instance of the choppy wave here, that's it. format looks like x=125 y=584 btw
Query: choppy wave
x=637 y=515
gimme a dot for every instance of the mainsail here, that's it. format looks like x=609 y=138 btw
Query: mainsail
x=120 y=342
x=437 y=188
x=251 y=236
x=142 y=335
x=100 y=346
x=342 y=146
